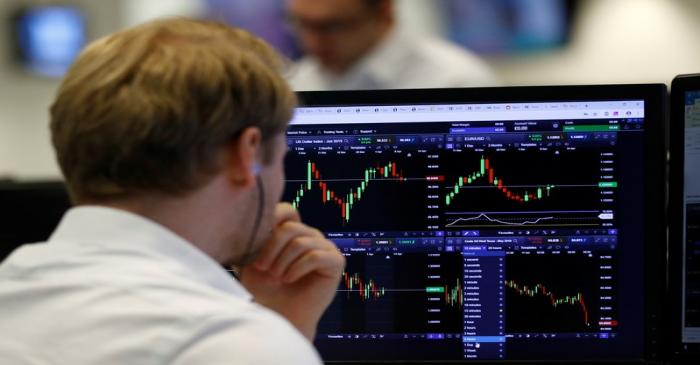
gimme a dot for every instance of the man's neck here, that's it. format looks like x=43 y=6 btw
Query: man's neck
x=382 y=35
x=193 y=217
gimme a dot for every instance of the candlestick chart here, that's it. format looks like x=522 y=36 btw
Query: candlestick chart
x=377 y=294
x=556 y=293
x=531 y=188
x=359 y=192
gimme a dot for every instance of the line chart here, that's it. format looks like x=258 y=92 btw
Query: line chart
x=525 y=221
x=585 y=218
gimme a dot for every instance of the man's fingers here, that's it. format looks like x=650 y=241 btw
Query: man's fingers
x=329 y=263
x=281 y=236
x=285 y=212
x=293 y=250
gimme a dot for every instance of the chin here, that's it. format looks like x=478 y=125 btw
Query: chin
x=329 y=64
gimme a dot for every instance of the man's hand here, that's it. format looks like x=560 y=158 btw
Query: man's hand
x=297 y=272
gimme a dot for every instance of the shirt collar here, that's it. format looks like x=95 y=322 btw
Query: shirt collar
x=383 y=63
x=379 y=67
x=115 y=228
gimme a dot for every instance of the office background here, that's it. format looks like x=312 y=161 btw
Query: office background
x=609 y=41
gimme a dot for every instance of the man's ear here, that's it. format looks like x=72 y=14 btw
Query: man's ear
x=241 y=165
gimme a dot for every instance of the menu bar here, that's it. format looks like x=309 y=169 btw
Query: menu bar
x=468 y=112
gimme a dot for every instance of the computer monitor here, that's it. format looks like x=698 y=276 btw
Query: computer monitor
x=506 y=224
x=684 y=236
x=47 y=38
x=29 y=212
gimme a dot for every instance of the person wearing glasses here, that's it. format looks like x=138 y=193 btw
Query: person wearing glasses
x=357 y=44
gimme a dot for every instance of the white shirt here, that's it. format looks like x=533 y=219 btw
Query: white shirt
x=400 y=61
x=111 y=287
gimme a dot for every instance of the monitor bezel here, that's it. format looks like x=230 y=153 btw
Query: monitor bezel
x=679 y=86
x=30 y=212
x=655 y=98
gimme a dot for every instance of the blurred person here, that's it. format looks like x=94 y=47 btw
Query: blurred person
x=170 y=136
x=357 y=44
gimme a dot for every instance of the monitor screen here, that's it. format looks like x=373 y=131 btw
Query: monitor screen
x=684 y=219
x=691 y=231
x=483 y=224
x=48 y=38
x=506 y=26
x=30 y=211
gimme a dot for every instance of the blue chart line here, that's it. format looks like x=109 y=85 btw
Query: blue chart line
x=493 y=220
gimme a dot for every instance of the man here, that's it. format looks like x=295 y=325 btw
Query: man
x=170 y=137
x=356 y=44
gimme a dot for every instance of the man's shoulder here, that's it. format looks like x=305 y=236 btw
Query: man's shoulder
x=147 y=313
x=454 y=62
x=307 y=74
x=447 y=51
x=259 y=337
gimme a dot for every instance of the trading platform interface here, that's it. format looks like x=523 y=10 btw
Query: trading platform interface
x=476 y=231
x=691 y=196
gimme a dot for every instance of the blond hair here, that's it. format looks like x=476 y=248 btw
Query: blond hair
x=149 y=109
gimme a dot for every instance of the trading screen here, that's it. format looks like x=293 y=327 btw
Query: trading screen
x=691 y=206
x=476 y=231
